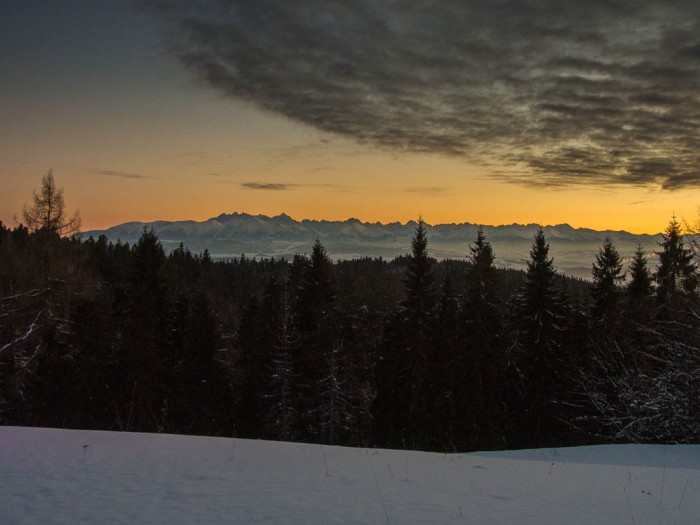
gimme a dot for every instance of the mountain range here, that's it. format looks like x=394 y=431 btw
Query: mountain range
x=230 y=235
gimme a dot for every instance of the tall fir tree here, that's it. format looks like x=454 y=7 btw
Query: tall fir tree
x=676 y=276
x=480 y=298
x=197 y=398
x=542 y=362
x=419 y=281
x=142 y=385
x=338 y=401
x=639 y=305
x=446 y=370
x=316 y=293
x=641 y=285
x=317 y=322
x=540 y=297
x=402 y=407
x=419 y=307
x=479 y=363
x=607 y=339
x=283 y=415
x=607 y=278
x=251 y=368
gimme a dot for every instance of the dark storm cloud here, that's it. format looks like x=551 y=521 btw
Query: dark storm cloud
x=560 y=92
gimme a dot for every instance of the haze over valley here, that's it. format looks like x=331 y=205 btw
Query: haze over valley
x=260 y=236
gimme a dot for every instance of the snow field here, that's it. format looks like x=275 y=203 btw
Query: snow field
x=51 y=476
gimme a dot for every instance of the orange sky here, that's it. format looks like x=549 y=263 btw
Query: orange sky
x=199 y=162
x=130 y=135
x=360 y=187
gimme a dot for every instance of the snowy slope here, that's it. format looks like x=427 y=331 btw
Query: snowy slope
x=68 y=476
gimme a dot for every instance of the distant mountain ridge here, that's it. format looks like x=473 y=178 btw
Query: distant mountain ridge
x=230 y=235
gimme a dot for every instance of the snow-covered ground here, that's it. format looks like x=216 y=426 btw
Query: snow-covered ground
x=71 y=476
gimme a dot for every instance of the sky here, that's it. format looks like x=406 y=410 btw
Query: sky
x=488 y=111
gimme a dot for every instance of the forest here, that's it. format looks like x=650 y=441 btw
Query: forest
x=414 y=353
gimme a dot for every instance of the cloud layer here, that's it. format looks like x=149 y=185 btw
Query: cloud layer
x=121 y=174
x=559 y=92
x=268 y=186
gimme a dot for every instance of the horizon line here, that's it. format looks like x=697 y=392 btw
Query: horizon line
x=355 y=219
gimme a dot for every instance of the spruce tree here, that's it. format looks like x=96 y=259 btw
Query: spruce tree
x=607 y=276
x=197 y=399
x=338 y=403
x=317 y=290
x=283 y=416
x=641 y=284
x=479 y=398
x=419 y=306
x=402 y=407
x=447 y=370
x=317 y=322
x=540 y=302
x=482 y=280
x=419 y=280
x=142 y=353
x=676 y=276
x=606 y=350
x=540 y=338
x=640 y=290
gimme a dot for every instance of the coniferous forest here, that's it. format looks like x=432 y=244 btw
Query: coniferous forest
x=410 y=353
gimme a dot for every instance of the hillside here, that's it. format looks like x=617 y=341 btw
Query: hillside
x=74 y=476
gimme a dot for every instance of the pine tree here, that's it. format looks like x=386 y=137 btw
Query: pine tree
x=402 y=407
x=606 y=348
x=479 y=398
x=641 y=284
x=317 y=290
x=542 y=364
x=540 y=301
x=317 y=322
x=447 y=370
x=283 y=416
x=676 y=275
x=640 y=290
x=143 y=349
x=250 y=371
x=197 y=399
x=419 y=280
x=607 y=276
x=419 y=306
x=338 y=403
x=482 y=281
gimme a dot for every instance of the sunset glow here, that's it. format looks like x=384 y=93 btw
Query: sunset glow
x=136 y=131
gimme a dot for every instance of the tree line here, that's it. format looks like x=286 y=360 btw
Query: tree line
x=408 y=353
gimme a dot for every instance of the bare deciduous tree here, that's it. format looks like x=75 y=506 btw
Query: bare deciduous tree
x=48 y=210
